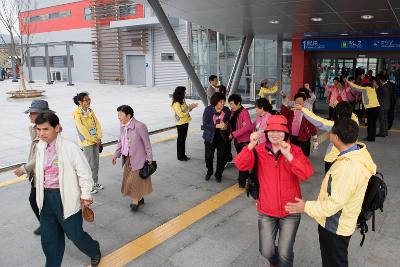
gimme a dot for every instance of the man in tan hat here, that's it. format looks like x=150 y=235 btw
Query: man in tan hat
x=37 y=107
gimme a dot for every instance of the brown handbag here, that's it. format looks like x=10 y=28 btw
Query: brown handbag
x=88 y=214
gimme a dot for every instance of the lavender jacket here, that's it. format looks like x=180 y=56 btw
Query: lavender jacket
x=139 y=144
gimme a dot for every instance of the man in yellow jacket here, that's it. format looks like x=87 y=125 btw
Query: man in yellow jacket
x=341 y=196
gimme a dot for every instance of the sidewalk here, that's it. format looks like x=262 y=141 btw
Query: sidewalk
x=151 y=106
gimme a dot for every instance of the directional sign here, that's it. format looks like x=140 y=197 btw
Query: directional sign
x=360 y=44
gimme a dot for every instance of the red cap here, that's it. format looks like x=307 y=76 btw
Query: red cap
x=277 y=123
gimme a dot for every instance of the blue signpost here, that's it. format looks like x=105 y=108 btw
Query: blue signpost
x=359 y=44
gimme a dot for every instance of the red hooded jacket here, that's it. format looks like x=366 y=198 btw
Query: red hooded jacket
x=279 y=179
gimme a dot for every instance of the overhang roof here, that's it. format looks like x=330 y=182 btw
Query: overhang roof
x=238 y=17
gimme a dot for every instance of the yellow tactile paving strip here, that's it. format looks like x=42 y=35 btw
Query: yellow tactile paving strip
x=150 y=240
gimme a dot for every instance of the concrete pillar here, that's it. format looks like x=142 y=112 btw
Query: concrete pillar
x=47 y=61
x=68 y=50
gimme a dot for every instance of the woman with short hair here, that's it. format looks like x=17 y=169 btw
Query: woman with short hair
x=135 y=148
x=216 y=135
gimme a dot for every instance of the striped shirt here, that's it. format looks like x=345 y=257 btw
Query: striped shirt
x=51 y=167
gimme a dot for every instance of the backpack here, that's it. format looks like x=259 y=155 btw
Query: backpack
x=374 y=197
x=253 y=186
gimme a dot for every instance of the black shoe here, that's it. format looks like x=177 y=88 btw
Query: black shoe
x=141 y=202
x=207 y=177
x=218 y=178
x=380 y=135
x=368 y=140
x=184 y=159
x=242 y=184
x=135 y=207
x=37 y=231
x=96 y=260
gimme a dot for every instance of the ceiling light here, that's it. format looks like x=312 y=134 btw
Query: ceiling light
x=367 y=17
x=274 y=21
x=344 y=34
x=308 y=35
x=383 y=33
x=317 y=19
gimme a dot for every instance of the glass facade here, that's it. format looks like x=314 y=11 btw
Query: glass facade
x=215 y=53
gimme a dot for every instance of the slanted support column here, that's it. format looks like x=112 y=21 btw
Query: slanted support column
x=242 y=61
x=68 y=50
x=162 y=18
x=47 y=60
x=239 y=52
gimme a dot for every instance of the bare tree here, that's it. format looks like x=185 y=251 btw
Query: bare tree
x=18 y=29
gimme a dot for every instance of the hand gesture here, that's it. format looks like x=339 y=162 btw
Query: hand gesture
x=282 y=94
x=307 y=86
x=285 y=150
x=297 y=107
x=254 y=137
x=114 y=161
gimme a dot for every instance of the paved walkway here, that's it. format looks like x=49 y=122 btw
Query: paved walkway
x=225 y=237
x=151 y=105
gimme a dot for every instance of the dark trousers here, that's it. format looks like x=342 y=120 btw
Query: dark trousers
x=333 y=248
x=327 y=166
x=331 y=112
x=32 y=200
x=304 y=145
x=391 y=117
x=229 y=156
x=54 y=226
x=242 y=175
x=221 y=147
x=181 y=141
x=372 y=116
x=383 y=121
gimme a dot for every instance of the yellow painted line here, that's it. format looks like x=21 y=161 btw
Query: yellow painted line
x=103 y=155
x=14 y=181
x=157 y=236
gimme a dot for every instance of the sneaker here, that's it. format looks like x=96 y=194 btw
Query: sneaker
x=94 y=190
x=37 y=231
x=98 y=186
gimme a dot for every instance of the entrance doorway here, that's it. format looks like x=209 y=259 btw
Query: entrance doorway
x=136 y=70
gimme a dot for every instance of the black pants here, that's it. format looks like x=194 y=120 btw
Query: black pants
x=221 y=147
x=181 y=141
x=333 y=248
x=372 y=116
x=327 y=166
x=229 y=156
x=391 y=117
x=331 y=112
x=242 y=175
x=32 y=200
x=304 y=145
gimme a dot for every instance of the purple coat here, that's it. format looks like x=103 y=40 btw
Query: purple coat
x=139 y=144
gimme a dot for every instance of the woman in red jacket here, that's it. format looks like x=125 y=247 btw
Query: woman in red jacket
x=280 y=168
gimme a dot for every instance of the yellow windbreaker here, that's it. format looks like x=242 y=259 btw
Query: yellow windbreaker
x=268 y=91
x=342 y=192
x=182 y=115
x=369 y=97
x=325 y=125
x=88 y=127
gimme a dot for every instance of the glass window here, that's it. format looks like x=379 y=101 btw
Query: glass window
x=38 y=62
x=127 y=10
x=167 y=56
x=88 y=13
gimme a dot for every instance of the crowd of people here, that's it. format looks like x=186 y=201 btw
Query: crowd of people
x=277 y=144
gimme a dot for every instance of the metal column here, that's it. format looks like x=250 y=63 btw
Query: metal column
x=253 y=73
x=68 y=49
x=47 y=59
x=218 y=61
x=162 y=18
x=229 y=84
x=242 y=61
x=29 y=64
x=279 y=54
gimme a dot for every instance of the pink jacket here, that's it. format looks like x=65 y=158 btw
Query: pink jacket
x=243 y=126
x=260 y=125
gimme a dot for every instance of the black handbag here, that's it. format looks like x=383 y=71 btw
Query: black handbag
x=253 y=185
x=148 y=169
